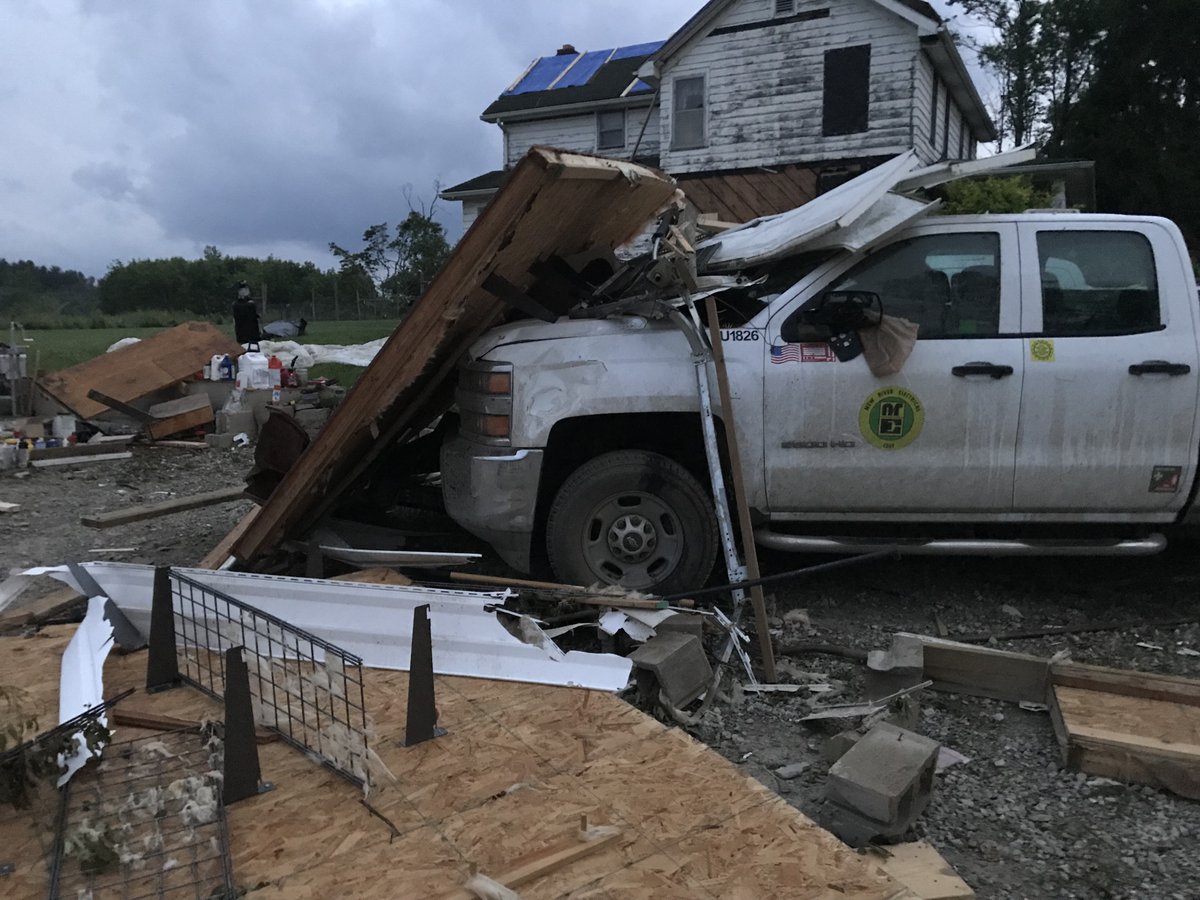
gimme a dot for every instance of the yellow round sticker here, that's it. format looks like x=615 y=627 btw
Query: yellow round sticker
x=892 y=418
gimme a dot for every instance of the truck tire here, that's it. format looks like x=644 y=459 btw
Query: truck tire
x=632 y=518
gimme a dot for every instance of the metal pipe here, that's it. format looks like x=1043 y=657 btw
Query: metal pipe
x=796 y=543
x=787 y=576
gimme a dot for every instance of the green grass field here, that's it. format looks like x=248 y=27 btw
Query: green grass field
x=63 y=348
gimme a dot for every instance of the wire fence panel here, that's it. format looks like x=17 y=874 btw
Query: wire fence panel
x=146 y=821
x=308 y=690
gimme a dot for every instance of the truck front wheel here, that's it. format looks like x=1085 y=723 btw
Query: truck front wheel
x=633 y=518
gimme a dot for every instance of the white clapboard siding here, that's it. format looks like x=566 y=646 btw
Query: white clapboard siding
x=765 y=87
x=471 y=210
x=922 y=102
x=578 y=133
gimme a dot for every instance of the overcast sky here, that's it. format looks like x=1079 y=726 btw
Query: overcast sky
x=134 y=129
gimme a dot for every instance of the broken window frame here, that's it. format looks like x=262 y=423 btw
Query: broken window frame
x=846 y=101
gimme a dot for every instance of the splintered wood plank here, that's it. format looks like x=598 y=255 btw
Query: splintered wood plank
x=165 y=508
x=139 y=369
x=533 y=217
x=1150 y=742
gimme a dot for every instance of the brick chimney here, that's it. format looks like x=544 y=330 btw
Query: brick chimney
x=567 y=50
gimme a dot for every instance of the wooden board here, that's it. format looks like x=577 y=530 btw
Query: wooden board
x=984 y=672
x=518 y=768
x=165 y=508
x=923 y=871
x=554 y=203
x=139 y=369
x=1147 y=685
x=1130 y=738
x=179 y=416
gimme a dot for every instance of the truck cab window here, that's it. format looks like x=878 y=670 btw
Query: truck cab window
x=1097 y=283
x=949 y=284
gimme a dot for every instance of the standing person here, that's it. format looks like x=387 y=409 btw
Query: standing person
x=245 y=317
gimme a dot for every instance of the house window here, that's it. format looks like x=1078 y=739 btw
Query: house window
x=688 y=131
x=610 y=129
x=784 y=7
x=847 y=90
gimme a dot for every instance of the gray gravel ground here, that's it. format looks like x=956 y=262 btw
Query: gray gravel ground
x=1012 y=821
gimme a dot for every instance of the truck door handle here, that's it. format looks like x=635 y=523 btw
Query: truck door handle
x=982 y=368
x=1160 y=367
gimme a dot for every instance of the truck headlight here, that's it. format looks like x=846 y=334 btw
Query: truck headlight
x=484 y=399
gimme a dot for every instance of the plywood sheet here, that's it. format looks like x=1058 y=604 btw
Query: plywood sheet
x=521 y=763
x=553 y=204
x=139 y=369
x=921 y=869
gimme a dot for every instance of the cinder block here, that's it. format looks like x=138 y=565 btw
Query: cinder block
x=887 y=776
x=684 y=623
x=237 y=422
x=677 y=662
x=220 y=441
x=839 y=745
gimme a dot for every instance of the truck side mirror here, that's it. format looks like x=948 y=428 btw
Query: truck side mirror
x=834 y=312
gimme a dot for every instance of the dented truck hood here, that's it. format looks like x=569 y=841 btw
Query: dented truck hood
x=529 y=330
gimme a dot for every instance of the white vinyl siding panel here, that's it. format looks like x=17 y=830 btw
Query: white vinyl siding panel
x=764 y=87
x=576 y=133
x=471 y=210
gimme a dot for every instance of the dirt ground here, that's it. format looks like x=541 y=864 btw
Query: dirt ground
x=1012 y=820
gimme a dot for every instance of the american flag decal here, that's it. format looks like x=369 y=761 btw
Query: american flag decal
x=785 y=354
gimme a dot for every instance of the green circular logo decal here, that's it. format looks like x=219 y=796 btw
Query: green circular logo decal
x=892 y=418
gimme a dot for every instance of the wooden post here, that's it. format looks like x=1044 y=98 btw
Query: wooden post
x=757 y=600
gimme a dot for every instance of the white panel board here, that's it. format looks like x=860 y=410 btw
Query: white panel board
x=375 y=623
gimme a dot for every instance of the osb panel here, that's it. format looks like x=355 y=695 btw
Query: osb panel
x=519 y=767
x=140 y=369
x=1152 y=723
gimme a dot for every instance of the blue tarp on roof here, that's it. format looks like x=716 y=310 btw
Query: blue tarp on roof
x=543 y=73
x=549 y=68
x=637 y=50
x=581 y=73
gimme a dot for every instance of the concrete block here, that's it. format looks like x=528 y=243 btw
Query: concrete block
x=677 y=662
x=886 y=777
x=237 y=422
x=220 y=441
x=684 y=623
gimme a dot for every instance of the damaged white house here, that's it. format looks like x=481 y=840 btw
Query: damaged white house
x=754 y=106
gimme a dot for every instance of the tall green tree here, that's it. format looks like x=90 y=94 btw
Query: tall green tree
x=1138 y=116
x=399 y=263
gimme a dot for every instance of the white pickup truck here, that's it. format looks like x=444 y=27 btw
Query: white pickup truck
x=1049 y=404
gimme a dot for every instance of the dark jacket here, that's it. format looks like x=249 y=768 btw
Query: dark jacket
x=245 y=321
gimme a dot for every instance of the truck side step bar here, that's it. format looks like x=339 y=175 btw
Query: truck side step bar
x=799 y=543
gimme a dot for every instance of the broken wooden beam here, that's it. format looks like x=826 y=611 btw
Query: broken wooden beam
x=165 y=508
x=983 y=671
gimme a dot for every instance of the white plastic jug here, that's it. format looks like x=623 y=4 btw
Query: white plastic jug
x=254 y=367
x=214 y=368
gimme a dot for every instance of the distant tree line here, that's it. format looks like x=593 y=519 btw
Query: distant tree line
x=381 y=280
x=27 y=288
